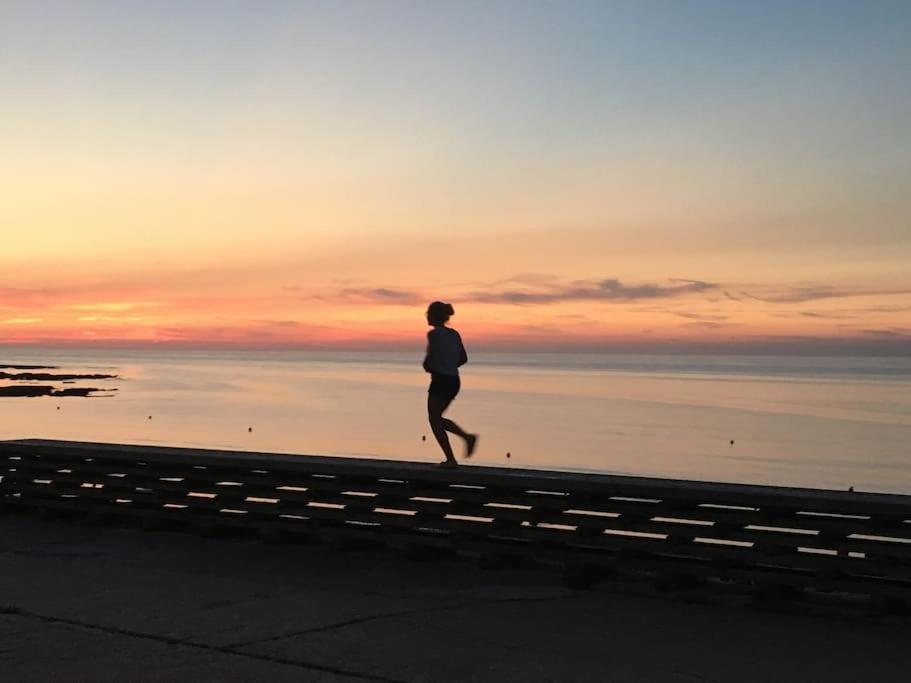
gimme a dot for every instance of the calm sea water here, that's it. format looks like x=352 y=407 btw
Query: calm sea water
x=818 y=422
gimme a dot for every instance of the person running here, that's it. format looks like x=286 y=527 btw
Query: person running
x=445 y=355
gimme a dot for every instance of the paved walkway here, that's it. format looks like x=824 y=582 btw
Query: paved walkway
x=81 y=603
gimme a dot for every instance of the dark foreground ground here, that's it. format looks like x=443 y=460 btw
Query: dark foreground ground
x=81 y=603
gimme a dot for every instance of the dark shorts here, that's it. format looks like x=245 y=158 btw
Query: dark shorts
x=445 y=386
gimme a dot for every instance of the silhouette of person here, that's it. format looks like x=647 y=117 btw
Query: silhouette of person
x=445 y=355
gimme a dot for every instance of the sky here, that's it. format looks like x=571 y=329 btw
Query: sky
x=686 y=175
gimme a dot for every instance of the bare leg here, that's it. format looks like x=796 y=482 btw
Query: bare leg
x=435 y=407
x=453 y=428
x=470 y=439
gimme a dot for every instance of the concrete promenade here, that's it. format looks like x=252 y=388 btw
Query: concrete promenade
x=85 y=603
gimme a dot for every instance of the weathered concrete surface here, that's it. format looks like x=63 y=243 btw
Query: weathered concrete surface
x=93 y=604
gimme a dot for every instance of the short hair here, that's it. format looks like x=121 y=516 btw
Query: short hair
x=439 y=312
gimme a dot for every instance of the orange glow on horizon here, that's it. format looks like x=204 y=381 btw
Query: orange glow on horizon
x=527 y=313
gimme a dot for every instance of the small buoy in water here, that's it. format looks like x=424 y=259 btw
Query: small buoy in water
x=423 y=437
x=508 y=454
x=732 y=442
x=249 y=429
x=150 y=417
x=58 y=407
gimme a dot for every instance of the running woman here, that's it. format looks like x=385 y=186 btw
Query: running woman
x=445 y=355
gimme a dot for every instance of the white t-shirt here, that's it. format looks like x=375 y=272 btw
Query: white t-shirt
x=444 y=348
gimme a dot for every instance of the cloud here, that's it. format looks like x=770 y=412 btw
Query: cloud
x=533 y=288
x=382 y=294
x=253 y=331
x=890 y=332
x=827 y=315
x=20 y=321
x=841 y=313
x=111 y=307
x=275 y=323
x=886 y=309
x=544 y=288
x=794 y=294
x=533 y=279
x=609 y=289
x=705 y=324
x=705 y=317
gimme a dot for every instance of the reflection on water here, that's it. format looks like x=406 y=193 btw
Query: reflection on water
x=827 y=422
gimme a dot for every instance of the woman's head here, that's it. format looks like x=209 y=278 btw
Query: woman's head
x=438 y=313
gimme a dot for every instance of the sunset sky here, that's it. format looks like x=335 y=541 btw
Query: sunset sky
x=570 y=175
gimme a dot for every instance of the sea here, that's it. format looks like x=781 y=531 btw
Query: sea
x=818 y=422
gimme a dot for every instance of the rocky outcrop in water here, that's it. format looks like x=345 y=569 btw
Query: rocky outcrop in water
x=11 y=383
x=33 y=390
x=49 y=377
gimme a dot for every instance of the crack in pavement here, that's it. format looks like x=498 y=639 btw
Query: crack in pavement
x=10 y=610
x=391 y=615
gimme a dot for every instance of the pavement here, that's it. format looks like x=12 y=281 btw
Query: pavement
x=86 y=603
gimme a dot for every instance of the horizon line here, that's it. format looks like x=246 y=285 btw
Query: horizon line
x=894 y=348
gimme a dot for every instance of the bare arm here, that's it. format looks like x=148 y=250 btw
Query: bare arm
x=427 y=356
